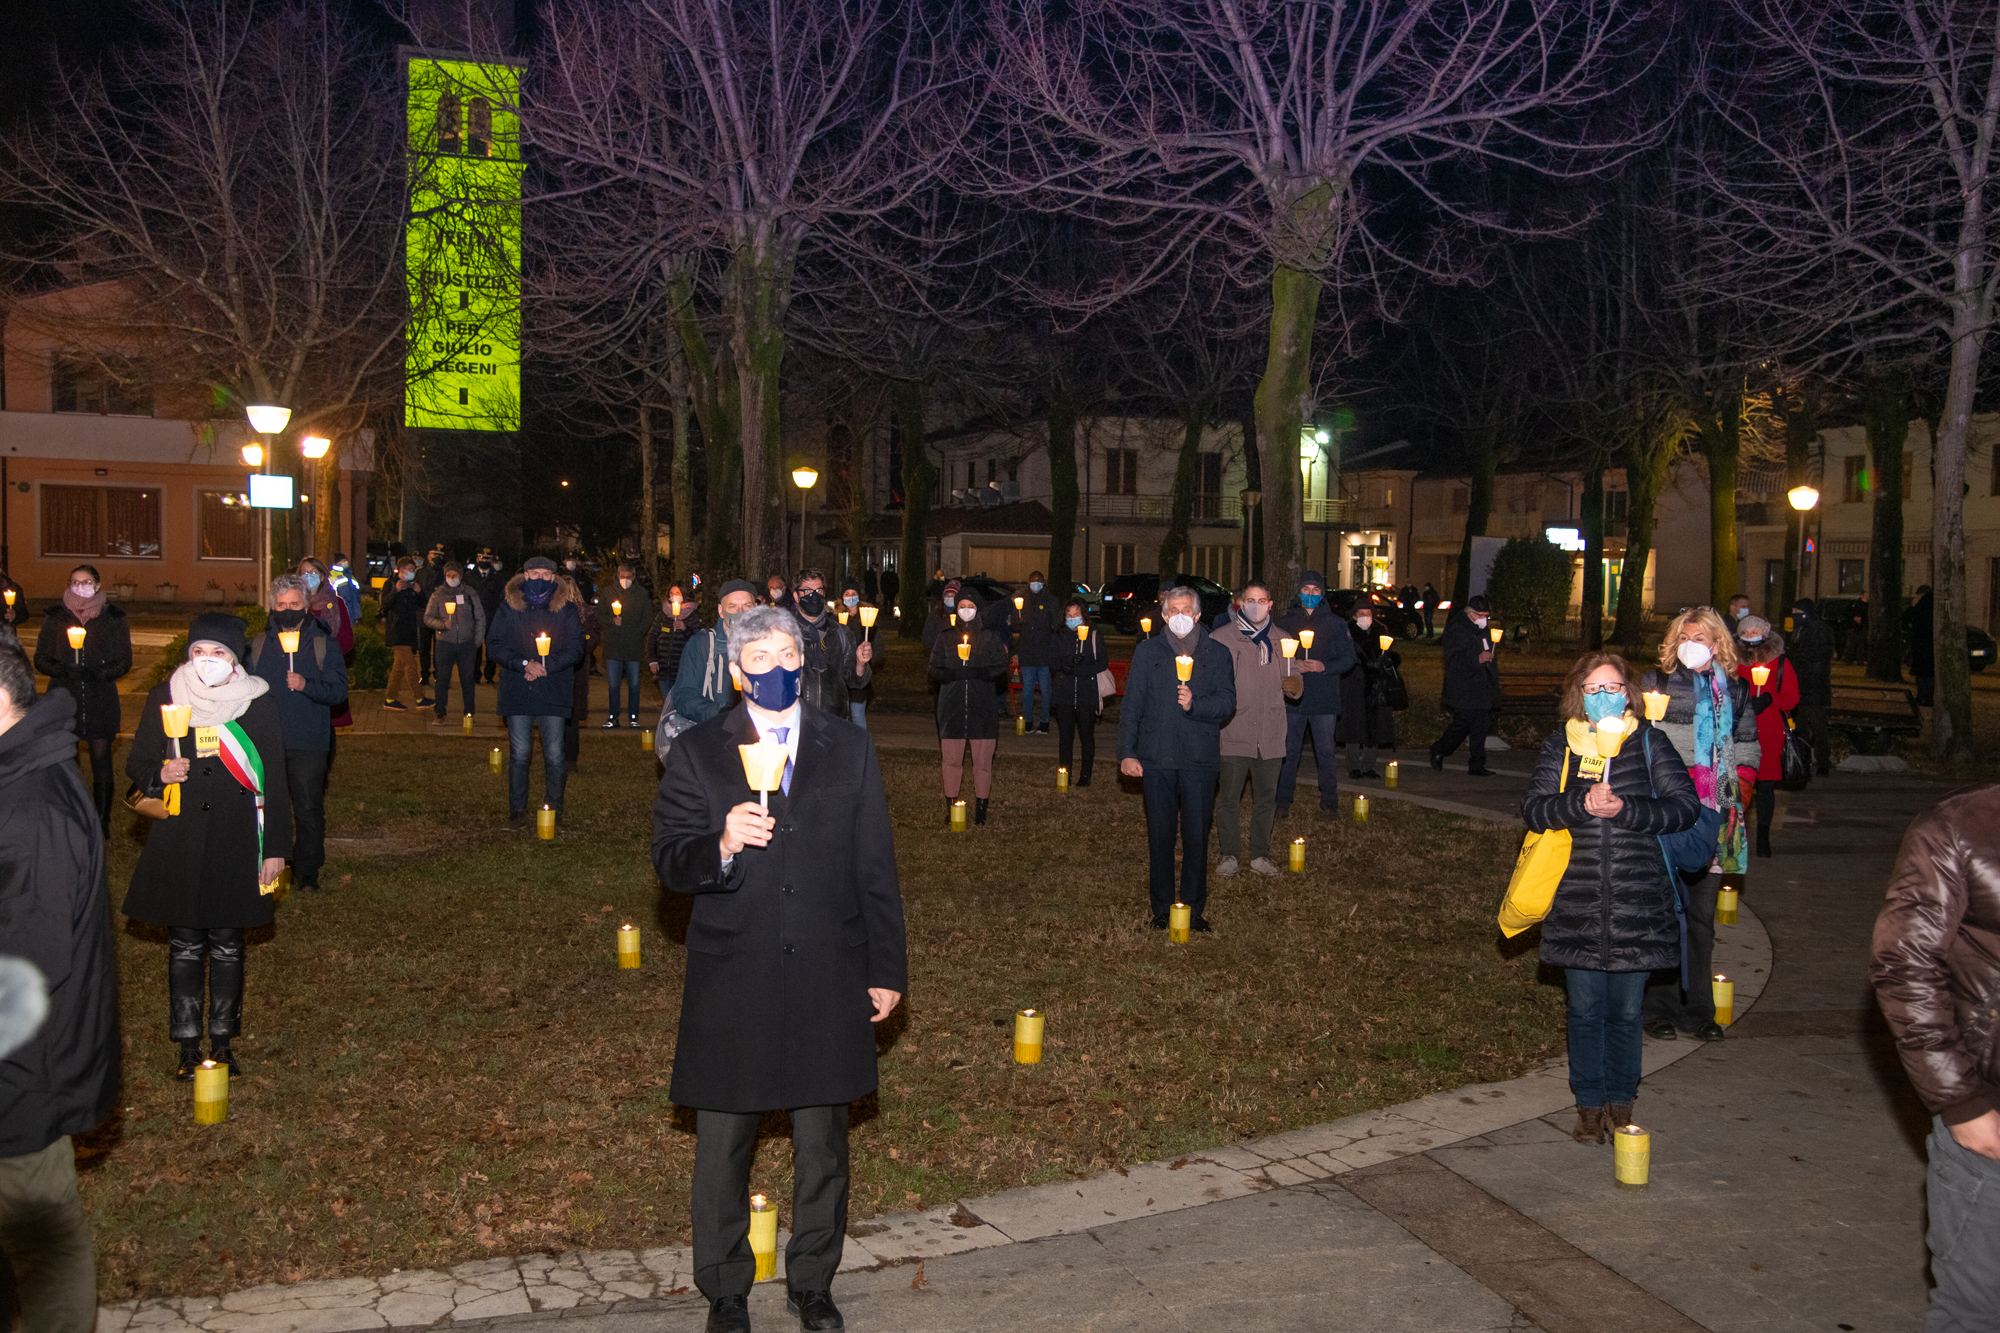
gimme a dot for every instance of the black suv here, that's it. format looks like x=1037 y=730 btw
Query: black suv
x=1129 y=596
x=1389 y=613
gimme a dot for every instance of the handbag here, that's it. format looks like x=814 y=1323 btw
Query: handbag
x=1537 y=871
x=1795 y=760
x=1107 y=685
x=164 y=806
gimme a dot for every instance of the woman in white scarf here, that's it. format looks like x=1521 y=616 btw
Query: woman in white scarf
x=207 y=871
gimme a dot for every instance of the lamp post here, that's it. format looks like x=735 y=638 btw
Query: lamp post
x=269 y=421
x=314 y=448
x=1250 y=501
x=803 y=477
x=1804 y=498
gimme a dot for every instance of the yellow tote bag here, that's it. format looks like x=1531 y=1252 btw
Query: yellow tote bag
x=1532 y=891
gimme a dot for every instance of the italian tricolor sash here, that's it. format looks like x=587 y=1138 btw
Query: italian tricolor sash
x=240 y=757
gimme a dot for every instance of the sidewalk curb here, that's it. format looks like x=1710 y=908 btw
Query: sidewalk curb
x=588 y=1282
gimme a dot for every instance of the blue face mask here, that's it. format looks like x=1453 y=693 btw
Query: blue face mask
x=1034 y=587
x=312 y=581
x=1597 y=707
x=538 y=591
x=1310 y=600
x=1074 y=622
x=773 y=691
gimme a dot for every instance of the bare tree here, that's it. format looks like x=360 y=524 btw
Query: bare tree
x=234 y=183
x=1859 y=202
x=1263 y=122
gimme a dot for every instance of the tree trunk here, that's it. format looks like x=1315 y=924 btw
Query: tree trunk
x=1591 y=612
x=712 y=381
x=1885 y=409
x=918 y=479
x=1281 y=402
x=1193 y=420
x=1800 y=430
x=680 y=555
x=1064 y=492
x=649 y=532
x=1951 y=718
x=761 y=290
x=1721 y=429
x=326 y=504
x=1646 y=469
x=1478 y=512
x=1253 y=480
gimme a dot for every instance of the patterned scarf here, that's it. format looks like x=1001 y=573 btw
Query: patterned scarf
x=1255 y=635
x=1714 y=772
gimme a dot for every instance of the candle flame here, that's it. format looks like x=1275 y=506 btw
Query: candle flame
x=1027 y=1013
x=758 y=1201
x=208 y=1064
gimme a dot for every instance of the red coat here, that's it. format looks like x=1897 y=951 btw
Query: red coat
x=1783 y=682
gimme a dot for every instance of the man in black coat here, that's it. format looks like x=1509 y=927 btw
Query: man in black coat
x=1315 y=710
x=1810 y=645
x=489 y=584
x=307 y=684
x=1919 y=641
x=795 y=949
x=55 y=913
x=1471 y=686
x=428 y=578
x=1043 y=639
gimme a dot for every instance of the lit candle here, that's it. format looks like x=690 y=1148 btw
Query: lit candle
x=1083 y=634
x=288 y=643
x=449 y=608
x=1632 y=1156
x=1788 y=624
x=1184 y=669
x=965 y=648
x=545 y=824
x=76 y=633
x=174 y=720
x=465 y=725
x=646 y=739
x=494 y=759
x=1306 y=639
x=764 y=1237
x=1062 y=779
x=1495 y=633
x=868 y=614
x=628 y=945
x=1656 y=706
x=1145 y=625
x=617 y=609
x=764 y=768
x=843 y=616
x=542 y=647
x=1610 y=736
x=1386 y=641
x=10 y=597
x=958 y=816
x=1760 y=675
x=1392 y=773
x=1027 y=1038
x=1725 y=906
x=1180 y=923
x=675 y=606
x=1725 y=999
x=1020 y=724
x=1361 y=809
x=211 y=1093
x=1290 y=648
x=1020 y=603
x=1299 y=855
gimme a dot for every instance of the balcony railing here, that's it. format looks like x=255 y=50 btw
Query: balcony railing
x=1207 y=509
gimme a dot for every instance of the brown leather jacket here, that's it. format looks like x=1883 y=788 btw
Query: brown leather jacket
x=1936 y=957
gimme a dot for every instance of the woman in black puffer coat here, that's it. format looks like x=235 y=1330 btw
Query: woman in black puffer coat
x=90 y=674
x=968 y=709
x=1613 y=920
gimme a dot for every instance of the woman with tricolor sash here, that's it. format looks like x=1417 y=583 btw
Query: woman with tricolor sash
x=210 y=867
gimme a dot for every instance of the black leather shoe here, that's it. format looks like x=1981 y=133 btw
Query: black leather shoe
x=190 y=1057
x=1479 y=772
x=222 y=1054
x=1370 y=773
x=729 y=1314
x=1200 y=923
x=1660 y=1030
x=815 y=1309
x=1709 y=1031
x=1159 y=922
x=1437 y=761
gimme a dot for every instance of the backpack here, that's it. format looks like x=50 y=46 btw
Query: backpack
x=319 y=648
x=713 y=677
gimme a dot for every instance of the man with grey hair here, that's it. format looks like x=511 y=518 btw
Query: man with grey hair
x=795 y=949
x=308 y=683
x=1170 y=736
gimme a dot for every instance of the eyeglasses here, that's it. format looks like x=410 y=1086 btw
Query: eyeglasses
x=1604 y=689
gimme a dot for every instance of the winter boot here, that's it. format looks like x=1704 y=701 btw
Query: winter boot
x=225 y=989
x=979 y=809
x=1589 y=1125
x=1763 y=840
x=1617 y=1116
x=190 y=1058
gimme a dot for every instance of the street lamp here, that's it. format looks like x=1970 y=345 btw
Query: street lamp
x=314 y=448
x=267 y=419
x=803 y=477
x=1803 y=497
x=253 y=455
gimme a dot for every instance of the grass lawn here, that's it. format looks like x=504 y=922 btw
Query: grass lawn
x=444 y=1061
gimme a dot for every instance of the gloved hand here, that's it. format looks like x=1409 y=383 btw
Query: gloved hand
x=1759 y=702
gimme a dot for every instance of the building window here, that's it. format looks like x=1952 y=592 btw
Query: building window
x=1121 y=472
x=448 y=137
x=94 y=521
x=479 y=129
x=992 y=470
x=1853 y=576
x=1461 y=501
x=76 y=387
x=1118 y=556
x=1388 y=497
x=1211 y=474
x=1855 y=483
x=228 y=530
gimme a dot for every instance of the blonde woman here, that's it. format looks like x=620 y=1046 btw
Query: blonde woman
x=1711 y=722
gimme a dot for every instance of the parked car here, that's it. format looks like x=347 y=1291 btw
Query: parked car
x=1128 y=597
x=1389 y=612
x=1979 y=647
x=1980 y=650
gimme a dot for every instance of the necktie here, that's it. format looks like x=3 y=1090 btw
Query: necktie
x=779 y=734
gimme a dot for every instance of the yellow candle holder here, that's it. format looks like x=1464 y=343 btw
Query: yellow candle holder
x=545 y=824
x=1027 y=1038
x=1496 y=634
x=175 y=719
x=494 y=759
x=764 y=1237
x=965 y=651
x=1361 y=809
x=1290 y=648
x=1725 y=907
x=1760 y=675
x=868 y=614
x=618 y=608
x=1062 y=779
x=1306 y=640
x=1788 y=624
x=1145 y=624
x=628 y=945
x=76 y=636
x=1020 y=603
x=1083 y=634
x=1180 y=923
x=465 y=725
x=288 y=641
x=211 y=1093
x=1610 y=736
x=646 y=739
x=452 y=606
x=1184 y=669
x=542 y=642
x=843 y=616
x=1632 y=1156
x=1020 y=724
x=1392 y=774
x=674 y=608
x=1656 y=706
x=1385 y=641
x=958 y=816
x=1299 y=855
x=10 y=596
x=1724 y=991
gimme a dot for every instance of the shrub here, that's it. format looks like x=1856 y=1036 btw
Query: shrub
x=1530 y=585
x=371 y=611
x=372 y=659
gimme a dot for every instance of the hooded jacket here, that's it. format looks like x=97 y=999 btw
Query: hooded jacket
x=510 y=645
x=1811 y=648
x=55 y=911
x=1936 y=955
x=92 y=681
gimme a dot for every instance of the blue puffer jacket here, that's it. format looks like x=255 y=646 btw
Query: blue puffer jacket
x=510 y=640
x=1152 y=726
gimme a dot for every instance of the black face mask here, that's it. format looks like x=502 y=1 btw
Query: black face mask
x=288 y=619
x=811 y=604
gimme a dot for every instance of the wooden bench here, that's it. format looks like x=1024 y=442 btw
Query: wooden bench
x=1530 y=692
x=1872 y=716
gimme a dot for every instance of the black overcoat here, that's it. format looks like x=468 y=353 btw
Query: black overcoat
x=199 y=868
x=968 y=701
x=92 y=681
x=784 y=945
x=1470 y=685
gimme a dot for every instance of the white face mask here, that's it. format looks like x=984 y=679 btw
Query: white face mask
x=213 y=670
x=1363 y=622
x=451 y=579
x=966 y=612
x=1180 y=625
x=1694 y=656
x=1478 y=620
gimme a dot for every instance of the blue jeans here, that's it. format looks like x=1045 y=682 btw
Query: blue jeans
x=1963 y=1192
x=518 y=731
x=857 y=713
x=1322 y=726
x=1604 y=1035
x=617 y=671
x=1032 y=676
x=1179 y=802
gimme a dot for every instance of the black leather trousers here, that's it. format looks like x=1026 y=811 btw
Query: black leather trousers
x=187 y=949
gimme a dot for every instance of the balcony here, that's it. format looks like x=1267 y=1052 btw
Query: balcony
x=1211 y=509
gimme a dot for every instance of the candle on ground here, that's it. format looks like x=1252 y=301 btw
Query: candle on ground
x=1180 y=923
x=494 y=759
x=465 y=725
x=1656 y=706
x=764 y=1237
x=1027 y=1038
x=1306 y=639
x=646 y=739
x=628 y=945
x=1632 y=1156
x=958 y=816
x=1361 y=809
x=545 y=824
x=1062 y=779
x=1725 y=999
x=1392 y=773
x=1184 y=669
x=1299 y=854
x=1725 y=906
x=1020 y=724
x=211 y=1093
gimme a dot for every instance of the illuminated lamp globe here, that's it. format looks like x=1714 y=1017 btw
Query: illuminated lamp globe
x=315 y=446
x=1802 y=497
x=804 y=477
x=266 y=419
x=253 y=455
x=1321 y=436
